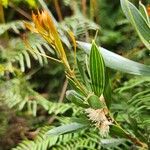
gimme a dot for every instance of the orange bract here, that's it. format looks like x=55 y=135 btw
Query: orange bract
x=44 y=25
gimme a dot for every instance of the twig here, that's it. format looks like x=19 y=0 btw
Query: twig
x=44 y=55
x=135 y=140
x=22 y=12
x=84 y=7
x=52 y=118
x=93 y=9
x=54 y=59
x=63 y=91
x=58 y=11
x=61 y=98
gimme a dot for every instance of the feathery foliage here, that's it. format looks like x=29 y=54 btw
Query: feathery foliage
x=18 y=93
x=21 y=53
x=91 y=116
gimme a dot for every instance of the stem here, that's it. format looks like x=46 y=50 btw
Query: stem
x=78 y=84
x=63 y=90
x=84 y=7
x=54 y=59
x=135 y=140
x=92 y=9
x=22 y=12
x=81 y=87
x=58 y=11
x=61 y=98
x=2 y=20
x=44 y=55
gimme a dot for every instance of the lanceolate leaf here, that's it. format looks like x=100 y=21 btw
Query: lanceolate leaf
x=66 y=128
x=97 y=70
x=138 y=21
x=107 y=89
x=94 y=102
x=118 y=62
x=81 y=69
x=115 y=130
x=144 y=12
x=112 y=142
x=76 y=98
x=75 y=87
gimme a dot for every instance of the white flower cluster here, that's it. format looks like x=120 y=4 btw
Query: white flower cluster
x=99 y=117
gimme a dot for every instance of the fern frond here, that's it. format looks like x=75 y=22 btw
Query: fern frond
x=133 y=83
x=136 y=109
x=139 y=107
x=83 y=140
x=78 y=24
x=78 y=140
x=14 y=25
x=140 y=101
x=22 y=54
x=17 y=93
x=41 y=142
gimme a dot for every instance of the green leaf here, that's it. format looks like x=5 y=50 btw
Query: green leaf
x=76 y=98
x=144 y=12
x=115 y=130
x=107 y=89
x=74 y=85
x=112 y=142
x=13 y=25
x=138 y=21
x=97 y=70
x=81 y=70
x=83 y=119
x=66 y=128
x=95 y=102
x=111 y=60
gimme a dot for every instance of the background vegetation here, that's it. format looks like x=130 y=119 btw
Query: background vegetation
x=33 y=88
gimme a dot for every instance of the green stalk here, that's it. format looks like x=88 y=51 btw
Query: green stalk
x=135 y=140
x=2 y=20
